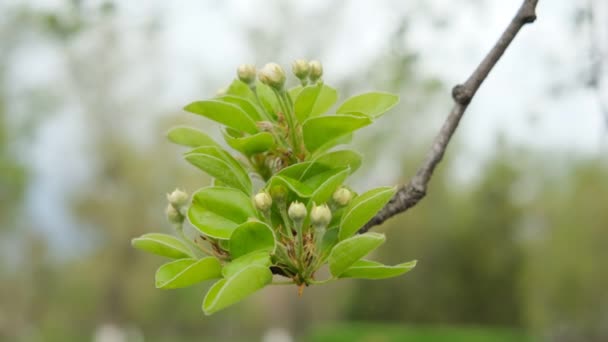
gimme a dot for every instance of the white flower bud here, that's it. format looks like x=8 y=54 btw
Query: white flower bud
x=342 y=196
x=320 y=216
x=262 y=201
x=297 y=211
x=177 y=198
x=246 y=73
x=272 y=75
x=316 y=70
x=300 y=68
x=173 y=214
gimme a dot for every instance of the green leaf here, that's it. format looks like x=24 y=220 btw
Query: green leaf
x=224 y=113
x=315 y=181
x=330 y=239
x=252 y=144
x=163 y=245
x=250 y=237
x=294 y=171
x=234 y=289
x=241 y=89
x=218 y=211
x=188 y=136
x=347 y=252
x=221 y=165
x=363 y=208
x=186 y=272
x=324 y=192
x=373 y=104
x=253 y=111
x=322 y=130
x=314 y=100
x=367 y=269
x=258 y=258
x=294 y=92
x=300 y=189
x=267 y=99
x=340 y=159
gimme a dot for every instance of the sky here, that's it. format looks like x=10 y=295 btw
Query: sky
x=535 y=96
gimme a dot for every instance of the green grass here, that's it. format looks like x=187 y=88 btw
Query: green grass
x=368 y=332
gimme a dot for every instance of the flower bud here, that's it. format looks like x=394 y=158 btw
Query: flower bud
x=342 y=196
x=262 y=201
x=316 y=70
x=272 y=75
x=221 y=92
x=320 y=216
x=177 y=198
x=300 y=68
x=173 y=214
x=246 y=73
x=297 y=211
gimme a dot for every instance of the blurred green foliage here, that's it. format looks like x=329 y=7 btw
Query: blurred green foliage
x=365 y=332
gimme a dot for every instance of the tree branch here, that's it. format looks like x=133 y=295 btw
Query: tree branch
x=410 y=194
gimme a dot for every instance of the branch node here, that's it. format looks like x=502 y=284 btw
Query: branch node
x=462 y=95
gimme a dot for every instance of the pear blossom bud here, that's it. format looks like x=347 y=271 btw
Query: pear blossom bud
x=272 y=75
x=316 y=70
x=177 y=198
x=297 y=211
x=300 y=68
x=246 y=73
x=173 y=214
x=262 y=201
x=342 y=196
x=320 y=216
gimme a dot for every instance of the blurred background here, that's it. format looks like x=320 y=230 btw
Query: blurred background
x=512 y=239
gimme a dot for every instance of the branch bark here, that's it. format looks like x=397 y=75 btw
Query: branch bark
x=408 y=195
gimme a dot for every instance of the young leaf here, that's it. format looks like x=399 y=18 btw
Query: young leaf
x=324 y=191
x=294 y=92
x=221 y=165
x=330 y=239
x=295 y=171
x=250 y=237
x=347 y=252
x=163 y=245
x=300 y=189
x=218 y=211
x=224 y=113
x=252 y=144
x=267 y=99
x=373 y=104
x=254 y=112
x=339 y=159
x=314 y=100
x=186 y=272
x=367 y=269
x=258 y=258
x=188 y=136
x=321 y=130
x=241 y=89
x=363 y=208
x=232 y=290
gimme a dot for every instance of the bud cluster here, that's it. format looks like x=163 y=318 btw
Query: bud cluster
x=178 y=200
x=273 y=75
